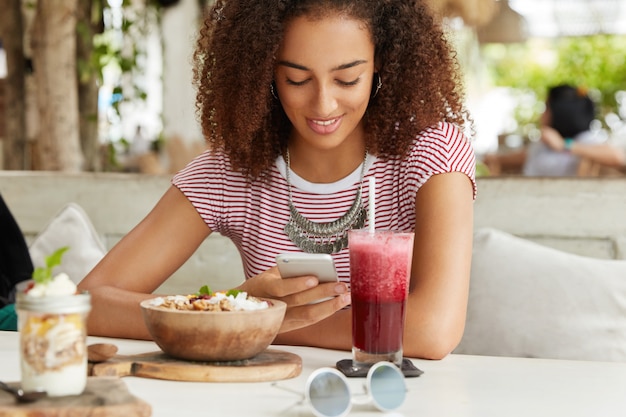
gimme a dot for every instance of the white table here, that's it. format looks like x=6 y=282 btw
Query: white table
x=456 y=386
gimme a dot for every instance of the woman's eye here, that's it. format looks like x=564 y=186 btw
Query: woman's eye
x=349 y=83
x=340 y=82
x=292 y=82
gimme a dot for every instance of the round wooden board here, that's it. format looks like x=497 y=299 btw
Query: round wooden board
x=269 y=365
x=103 y=397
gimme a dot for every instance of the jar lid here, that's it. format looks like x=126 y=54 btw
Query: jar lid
x=60 y=304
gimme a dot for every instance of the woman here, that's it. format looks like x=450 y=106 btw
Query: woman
x=567 y=117
x=301 y=103
x=577 y=111
x=569 y=113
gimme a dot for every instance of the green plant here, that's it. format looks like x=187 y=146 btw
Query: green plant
x=594 y=62
x=482 y=170
x=120 y=60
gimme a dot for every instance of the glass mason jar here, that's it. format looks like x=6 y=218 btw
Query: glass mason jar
x=53 y=338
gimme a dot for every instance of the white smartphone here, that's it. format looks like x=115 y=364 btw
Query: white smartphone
x=297 y=264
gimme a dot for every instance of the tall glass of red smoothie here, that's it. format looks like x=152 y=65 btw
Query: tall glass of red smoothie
x=380 y=270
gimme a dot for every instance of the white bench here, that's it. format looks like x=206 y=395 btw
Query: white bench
x=115 y=203
x=583 y=216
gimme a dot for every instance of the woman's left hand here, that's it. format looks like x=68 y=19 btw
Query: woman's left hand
x=299 y=293
x=552 y=138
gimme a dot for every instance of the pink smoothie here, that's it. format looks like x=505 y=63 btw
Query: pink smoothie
x=380 y=269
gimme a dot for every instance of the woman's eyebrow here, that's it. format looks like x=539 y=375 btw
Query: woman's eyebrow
x=337 y=68
x=350 y=64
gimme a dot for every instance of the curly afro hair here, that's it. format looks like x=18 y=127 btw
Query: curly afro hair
x=234 y=65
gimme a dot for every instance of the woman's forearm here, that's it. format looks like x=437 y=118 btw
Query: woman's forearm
x=335 y=332
x=426 y=335
x=116 y=313
x=138 y=264
x=604 y=154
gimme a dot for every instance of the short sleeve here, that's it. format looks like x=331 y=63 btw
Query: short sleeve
x=442 y=149
x=201 y=181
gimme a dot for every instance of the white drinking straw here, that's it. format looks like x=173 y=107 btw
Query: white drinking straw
x=372 y=205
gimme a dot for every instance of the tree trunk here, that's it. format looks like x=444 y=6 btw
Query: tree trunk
x=15 y=149
x=54 y=61
x=90 y=23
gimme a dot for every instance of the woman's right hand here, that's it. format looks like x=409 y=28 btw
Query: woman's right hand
x=299 y=293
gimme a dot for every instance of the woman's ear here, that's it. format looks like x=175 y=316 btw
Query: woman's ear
x=377 y=83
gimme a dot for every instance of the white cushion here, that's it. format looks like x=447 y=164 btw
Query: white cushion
x=69 y=227
x=529 y=300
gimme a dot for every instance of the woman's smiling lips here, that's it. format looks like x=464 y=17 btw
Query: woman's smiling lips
x=324 y=127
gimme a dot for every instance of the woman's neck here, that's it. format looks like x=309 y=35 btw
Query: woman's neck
x=317 y=164
x=325 y=166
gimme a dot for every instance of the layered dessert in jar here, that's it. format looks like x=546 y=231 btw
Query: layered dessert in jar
x=52 y=325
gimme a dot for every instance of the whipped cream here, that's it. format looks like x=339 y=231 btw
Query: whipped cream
x=240 y=301
x=61 y=284
x=221 y=301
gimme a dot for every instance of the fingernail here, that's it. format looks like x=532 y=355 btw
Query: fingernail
x=340 y=288
x=345 y=298
x=311 y=282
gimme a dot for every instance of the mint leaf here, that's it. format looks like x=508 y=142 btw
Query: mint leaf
x=204 y=290
x=40 y=275
x=43 y=275
x=233 y=292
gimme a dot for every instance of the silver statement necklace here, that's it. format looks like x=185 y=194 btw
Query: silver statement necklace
x=324 y=237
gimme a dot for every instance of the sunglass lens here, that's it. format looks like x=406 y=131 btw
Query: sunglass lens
x=387 y=386
x=329 y=395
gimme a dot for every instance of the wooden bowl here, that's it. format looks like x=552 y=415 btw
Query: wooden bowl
x=213 y=335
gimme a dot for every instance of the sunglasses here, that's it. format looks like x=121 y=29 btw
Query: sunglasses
x=328 y=394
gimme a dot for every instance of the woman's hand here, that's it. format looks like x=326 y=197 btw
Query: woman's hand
x=552 y=138
x=299 y=293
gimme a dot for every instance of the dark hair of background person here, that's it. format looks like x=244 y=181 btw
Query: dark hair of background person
x=234 y=67
x=572 y=111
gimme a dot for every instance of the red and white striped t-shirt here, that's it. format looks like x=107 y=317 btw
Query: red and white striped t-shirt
x=253 y=214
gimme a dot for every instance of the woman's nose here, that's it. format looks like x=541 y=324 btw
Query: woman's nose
x=325 y=101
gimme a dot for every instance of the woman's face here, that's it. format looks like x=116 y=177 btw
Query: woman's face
x=323 y=75
x=546 y=117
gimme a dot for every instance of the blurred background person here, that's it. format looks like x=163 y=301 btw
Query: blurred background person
x=605 y=154
x=567 y=118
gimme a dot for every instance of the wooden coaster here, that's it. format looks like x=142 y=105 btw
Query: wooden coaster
x=269 y=365
x=103 y=397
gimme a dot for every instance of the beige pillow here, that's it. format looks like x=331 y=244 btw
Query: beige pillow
x=529 y=300
x=69 y=227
